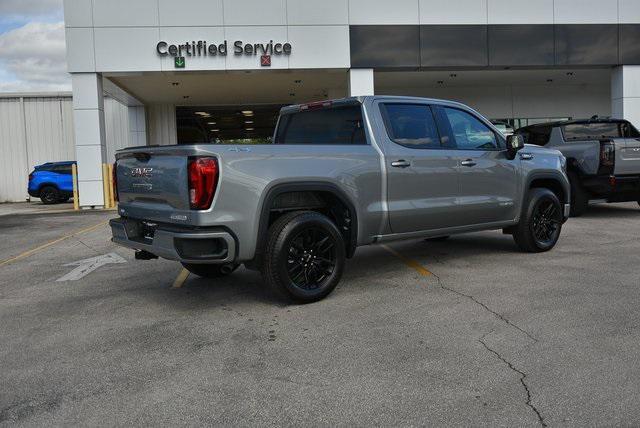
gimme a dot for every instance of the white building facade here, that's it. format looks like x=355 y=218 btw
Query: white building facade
x=215 y=70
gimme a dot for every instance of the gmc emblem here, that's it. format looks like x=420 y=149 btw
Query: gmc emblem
x=141 y=172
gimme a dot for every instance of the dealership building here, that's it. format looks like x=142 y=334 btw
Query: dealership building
x=219 y=70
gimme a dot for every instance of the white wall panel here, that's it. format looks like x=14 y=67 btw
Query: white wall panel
x=162 y=124
x=325 y=12
x=371 y=12
x=576 y=101
x=190 y=12
x=88 y=94
x=532 y=101
x=629 y=11
x=310 y=47
x=438 y=12
x=78 y=13
x=125 y=13
x=126 y=49
x=14 y=167
x=520 y=11
x=116 y=126
x=586 y=11
x=255 y=12
x=80 y=46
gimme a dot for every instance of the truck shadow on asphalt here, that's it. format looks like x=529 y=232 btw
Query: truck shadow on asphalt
x=610 y=211
x=372 y=269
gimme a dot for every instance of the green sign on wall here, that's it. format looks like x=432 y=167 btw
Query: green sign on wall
x=179 y=61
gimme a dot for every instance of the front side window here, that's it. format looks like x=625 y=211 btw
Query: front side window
x=411 y=125
x=339 y=125
x=469 y=132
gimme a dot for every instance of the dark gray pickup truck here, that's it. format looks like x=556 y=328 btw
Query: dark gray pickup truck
x=603 y=157
x=339 y=174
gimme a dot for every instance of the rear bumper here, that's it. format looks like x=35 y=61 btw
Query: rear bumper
x=620 y=188
x=203 y=245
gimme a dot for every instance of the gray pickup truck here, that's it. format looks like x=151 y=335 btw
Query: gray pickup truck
x=339 y=174
x=603 y=157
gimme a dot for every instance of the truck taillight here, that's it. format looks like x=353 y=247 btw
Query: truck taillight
x=114 y=180
x=607 y=157
x=31 y=176
x=203 y=180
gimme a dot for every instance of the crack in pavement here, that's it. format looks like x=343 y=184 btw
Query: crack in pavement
x=485 y=307
x=523 y=376
x=502 y=318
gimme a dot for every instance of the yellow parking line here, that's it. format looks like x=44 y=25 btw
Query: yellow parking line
x=409 y=262
x=182 y=277
x=50 y=243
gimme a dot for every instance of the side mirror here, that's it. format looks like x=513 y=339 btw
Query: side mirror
x=515 y=143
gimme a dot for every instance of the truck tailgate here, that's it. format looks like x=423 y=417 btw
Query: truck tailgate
x=628 y=158
x=153 y=179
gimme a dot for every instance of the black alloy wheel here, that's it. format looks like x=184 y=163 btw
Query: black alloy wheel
x=311 y=258
x=304 y=256
x=546 y=222
x=540 y=223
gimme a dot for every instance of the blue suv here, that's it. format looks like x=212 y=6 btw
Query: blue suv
x=52 y=182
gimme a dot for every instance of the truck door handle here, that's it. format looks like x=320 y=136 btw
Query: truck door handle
x=468 y=162
x=400 y=164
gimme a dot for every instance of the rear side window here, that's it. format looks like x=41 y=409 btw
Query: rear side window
x=411 y=125
x=592 y=131
x=339 y=125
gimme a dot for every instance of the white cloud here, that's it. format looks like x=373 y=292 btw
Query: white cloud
x=10 y=9
x=33 y=56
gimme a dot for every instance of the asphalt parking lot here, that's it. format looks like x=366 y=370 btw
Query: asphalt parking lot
x=463 y=332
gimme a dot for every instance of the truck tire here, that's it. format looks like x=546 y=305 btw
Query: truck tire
x=541 y=222
x=304 y=257
x=579 y=196
x=49 y=195
x=210 y=271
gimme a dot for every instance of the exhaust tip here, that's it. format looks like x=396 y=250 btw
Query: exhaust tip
x=144 y=255
x=226 y=269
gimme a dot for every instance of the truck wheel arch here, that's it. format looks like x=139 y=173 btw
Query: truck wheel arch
x=548 y=181
x=320 y=188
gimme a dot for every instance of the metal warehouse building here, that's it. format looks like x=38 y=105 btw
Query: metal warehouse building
x=219 y=70
x=39 y=128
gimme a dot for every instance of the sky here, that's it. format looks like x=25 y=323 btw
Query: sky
x=32 y=48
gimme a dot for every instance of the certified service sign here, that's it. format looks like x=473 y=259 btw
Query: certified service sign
x=201 y=48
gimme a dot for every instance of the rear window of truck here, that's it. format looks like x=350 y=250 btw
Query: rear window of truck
x=538 y=135
x=338 y=125
x=593 y=131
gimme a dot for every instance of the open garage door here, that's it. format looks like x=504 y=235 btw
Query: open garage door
x=226 y=124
